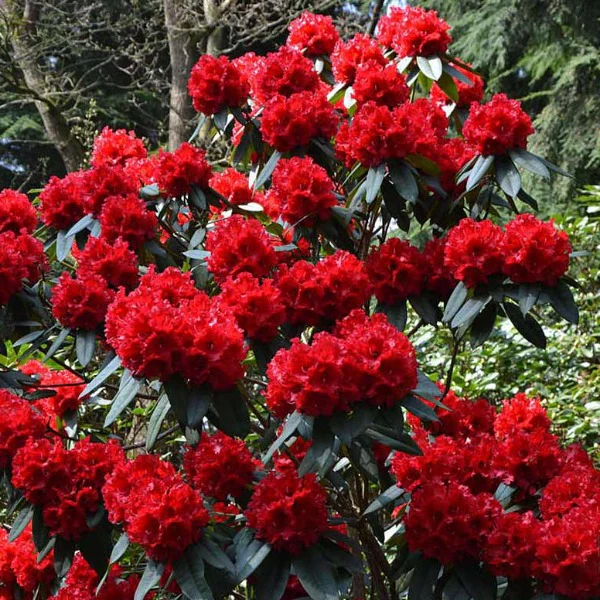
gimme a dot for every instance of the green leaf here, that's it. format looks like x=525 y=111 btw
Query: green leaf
x=529 y=161
x=448 y=86
x=189 y=574
x=45 y=550
x=250 y=559
x=316 y=574
x=214 y=555
x=483 y=325
x=272 y=577
x=102 y=376
x=528 y=296
x=231 y=413
x=431 y=67
x=82 y=224
x=478 y=582
x=177 y=392
x=425 y=308
x=419 y=408
x=426 y=388
x=63 y=245
x=395 y=313
x=504 y=494
x=85 y=344
x=456 y=300
x=267 y=170
x=151 y=576
x=40 y=532
x=562 y=301
x=198 y=401
x=150 y=191
x=63 y=556
x=96 y=548
x=375 y=177
x=23 y=519
x=57 y=343
x=424 y=579
x=456 y=74
x=480 y=168
x=119 y=549
x=156 y=420
x=339 y=557
x=507 y=176
x=128 y=390
x=527 y=326
x=404 y=443
x=471 y=308
x=392 y=493
x=347 y=427
x=320 y=452
x=290 y=427
x=404 y=180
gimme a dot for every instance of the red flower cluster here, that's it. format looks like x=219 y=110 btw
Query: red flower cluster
x=16 y=212
x=234 y=187
x=257 y=306
x=318 y=294
x=65 y=483
x=167 y=326
x=238 y=245
x=382 y=85
x=291 y=122
x=288 y=511
x=108 y=181
x=414 y=31
x=21 y=259
x=81 y=303
x=177 y=171
x=315 y=34
x=19 y=421
x=498 y=126
x=451 y=156
x=301 y=192
x=467 y=94
x=128 y=219
x=158 y=509
x=117 y=148
x=219 y=466
x=216 y=84
x=62 y=201
x=348 y=56
x=439 y=280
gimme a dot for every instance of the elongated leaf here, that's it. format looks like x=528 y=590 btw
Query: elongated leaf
x=321 y=450
x=150 y=191
x=562 y=301
x=471 y=308
x=119 y=549
x=426 y=388
x=102 y=376
x=267 y=170
x=339 y=557
x=178 y=393
x=478 y=582
x=122 y=399
x=419 y=408
x=288 y=431
x=375 y=177
x=85 y=344
x=448 y=86
x=316 y=575
x=23 y=519
x=404 y=181
x=96 y=547
x=189 y=574
x=527 y=326
x=197 y=406
x=151 y=576
x=527 y=160
x=424 y=579
x=82 y=224
x=30 y=337
x=456 y=300
x=483 y=325
x=507 y=176
x=63 y=245
x=57 y=343
x=45 y=550
x=63 y=556
x=404 y=443
x=456 y=74
x=251 y=559
x=431 y=67
x=396 y=314
x=348 y=427
x=480 y=168
x=156 y=420
x=425 y=308
x=528 y=295
x=272 y=576
x=392 y=493
x=232 y=413
x=214 y=555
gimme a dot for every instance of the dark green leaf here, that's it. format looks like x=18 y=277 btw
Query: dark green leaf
x=151 y=576
x=316 y=575
x=178 y=392
x=199 y=400
x=507 y=176
x=483 y=325
x=478 y=582
x=562 y=301
x=455 y=590
x=456 y=74
x=425 y=308
x=198 y=198
x=85 y=345
x=189 y=574
x=102 y=376
x=220 y=119
x=529 y=161
x=232 y=413
x=119 y=549
x=214 y=555
x=267 y=170
x=404 y=443
x=82 y=224
x=395 y=313
x=128 y=390
x=527 y=326
x=347 y=427
x=45 y=550
x=426 y=388
x=424 y=579
x=251 y=559
x=528 y=295
x=431 y=67
x=471 y=308
x=23 y=519
x=30 y=337
x=419 y=408
x=57 y=343
x=63 y=556
x=40 y=532
x=321 y=450
x=339 y=557
x=404 y=181
x=288 y=431
x=480 y=168
x=272 y=577
x=448 y=86
x=391 y=494
x=375 y=176
x=156 y=420
x=96 y=548
x=456 y=300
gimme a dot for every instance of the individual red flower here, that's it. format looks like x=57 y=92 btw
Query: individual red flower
x=81 y=303
x=234 y=187
x=318 y=294
x=116 y=148
x=467 y=94
x=291 y=122
x=104 y=182
x=238 y=245
x=448 y=522
x=28 y=571
x=315 y=34
x=575 y=487
x=257 y=306
x=219 y=466
x=7 y=577
x=21 y=259
x=127 y=218
x=62 y=201
x=380 y=84
x=16 y=212
x=216 y=84
x=438 y=278
x=414 y=31
x=498 y=126
x=474 y=251
x=397 y=270
x=509 y=549
x=301 y=192
x=284 y=73
x=348 y=56
x=535 y=251
x=288 y=511
x=158 y=509
x=521 y=413
x=177 y=171
x=114 y=262
x=19 y=421
x=451 y=155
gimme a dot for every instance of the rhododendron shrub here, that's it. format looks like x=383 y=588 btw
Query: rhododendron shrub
x=216 y=390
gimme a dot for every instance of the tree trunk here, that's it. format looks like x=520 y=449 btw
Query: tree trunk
x=181 y=50
x=55 y=124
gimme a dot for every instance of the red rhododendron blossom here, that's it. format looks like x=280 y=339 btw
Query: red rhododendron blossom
x=257 y=306
x=315 y=34
x=234 y=187
x=451 y=156
x=301 y=193
x=298 y=448
x=16 y=212
x=509 y=548
x=239 y=245
x=521 y=413
x=116 y=148
x=66 y=385
x=219 y=466
x=177 y=171
x=291 y=122
x=104 y=182
x=62 y=201
x=379 y=84
x=7 y=577
x=216 y=84
x=467 y=94
x=288 y=511
x=114 y=262
x=21 y=259
x=414 y=31
x=29 y=573
x=438 y=278
x=348 y=56
x=19 y=421
x=396 y=270
x=448 y=522
x=318 y=294
x=574 y=487
x=473 y=251
x=284 y=73
x=535 y=251
x=127 y=218
x=81 y=303
x=158 y=509
x=498 y=126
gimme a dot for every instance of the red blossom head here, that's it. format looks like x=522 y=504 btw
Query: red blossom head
x=106 y=181
x=451 y=155
x=380 y=84
x=16 y=212
x=438 y=278
x=521 y=413
x=348 y=56
x=116 y=148
x=177 y=171
x=315 y=34
x=62 y=201
x=234 y=186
